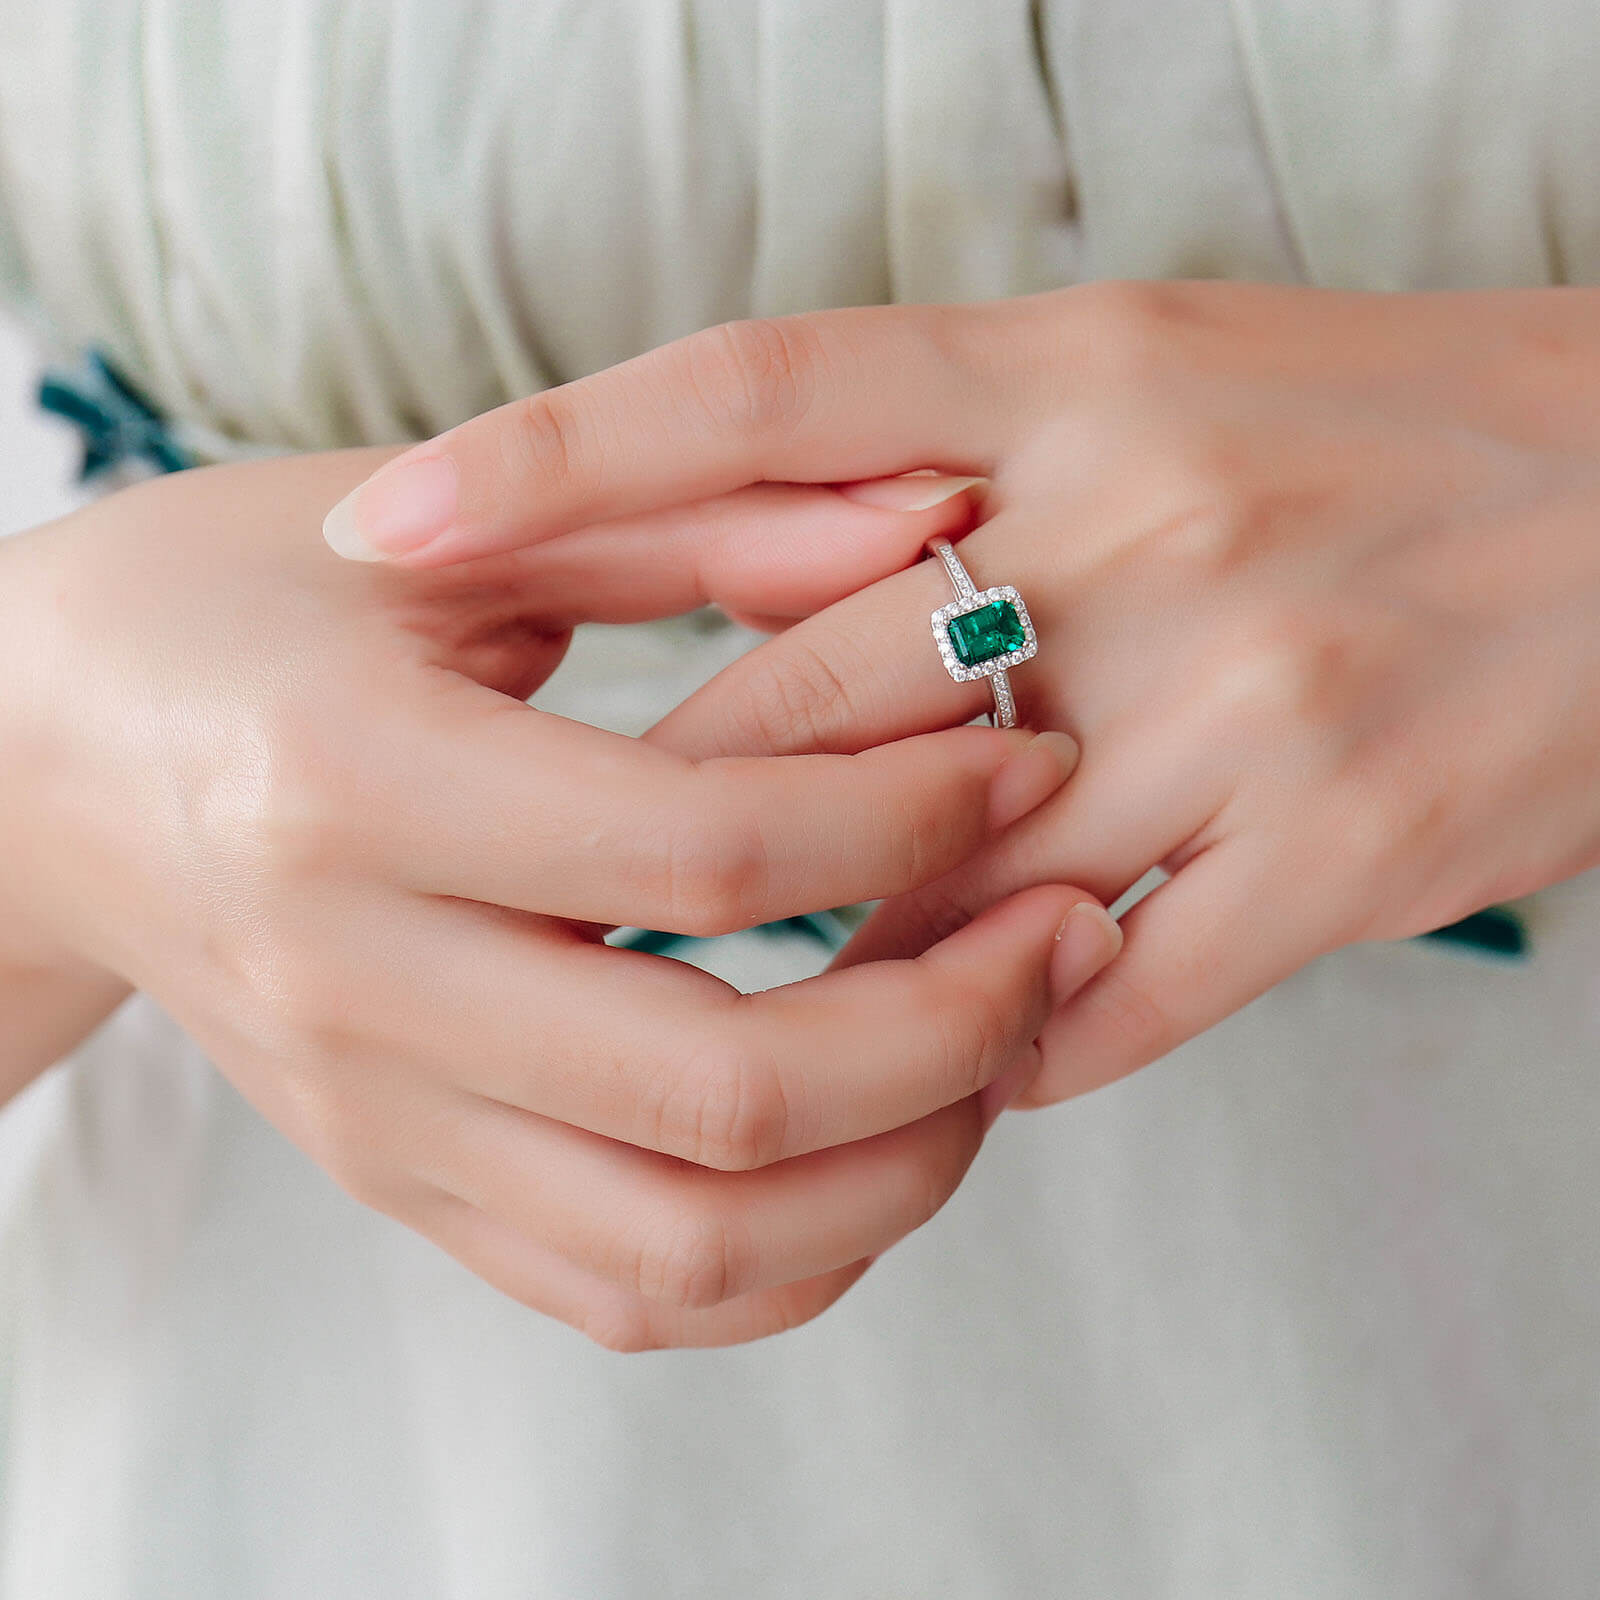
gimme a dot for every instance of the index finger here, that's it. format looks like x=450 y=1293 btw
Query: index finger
x=538 y=813
x=818 y=398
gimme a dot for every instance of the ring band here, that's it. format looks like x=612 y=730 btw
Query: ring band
x=982 y=633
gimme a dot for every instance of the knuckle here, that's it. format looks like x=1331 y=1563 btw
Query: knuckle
x=1137 y=1030
x=690 y=1258
x=293 y=833
x=758 y=376
x=1260 y=677
x=280 y=811
x=327 y=1128
x=980 y=1035
x=1297 y=677
x=970 y=1032
x=941 y=908
x=932 y=837
x=711 y=871
x=1132 y=326
x=314 y=1009
x=549 y=442
x=294 y=1003
x=797 y=698
x=1213 y=513
x=308 y=1004
x=927 y=1176
x=1224 y=500
x=729 y=1113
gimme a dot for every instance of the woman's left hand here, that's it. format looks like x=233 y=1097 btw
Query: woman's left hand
x=1316 y=578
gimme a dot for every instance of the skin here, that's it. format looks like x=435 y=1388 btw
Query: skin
x=301 y=803
x=1315 y=577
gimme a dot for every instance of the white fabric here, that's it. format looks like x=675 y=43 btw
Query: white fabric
x=1309 y=1310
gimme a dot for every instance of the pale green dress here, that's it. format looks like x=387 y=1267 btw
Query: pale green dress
x=1309 y=1312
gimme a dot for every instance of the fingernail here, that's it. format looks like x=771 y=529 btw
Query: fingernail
x=400 y=508
x=1027 y=779
x=914 y=492
x=994 y=1097
x=1086 y=940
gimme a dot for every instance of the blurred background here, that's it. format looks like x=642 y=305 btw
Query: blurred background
x=38 y=456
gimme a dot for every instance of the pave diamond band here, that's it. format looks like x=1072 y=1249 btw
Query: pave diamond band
x=982 y=633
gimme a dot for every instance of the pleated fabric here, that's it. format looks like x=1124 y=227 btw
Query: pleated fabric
x=321 y=223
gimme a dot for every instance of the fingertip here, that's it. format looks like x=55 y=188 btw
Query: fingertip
x=1029 y=918
x=1064 y=929
x=1044 y=1091
x=401 y=510
x=759 y=622
x=1088 y=939
x=790 y=550
x=913 y=492
x=343 y=537
x=1030 y=776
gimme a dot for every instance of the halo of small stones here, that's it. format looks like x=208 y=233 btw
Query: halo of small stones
x=945 y=615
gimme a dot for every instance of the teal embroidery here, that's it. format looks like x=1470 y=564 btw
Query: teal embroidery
x=1494 y=932
x=117 y=421
x=828 y=929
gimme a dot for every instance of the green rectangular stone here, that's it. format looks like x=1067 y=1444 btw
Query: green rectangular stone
x=992 y=630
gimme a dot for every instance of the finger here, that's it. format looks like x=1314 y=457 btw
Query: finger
x=680 y=1233
x=689 y=1237
x=761 y=622
x=1087 y=834
x=543 y=814
x=849 y=394
x=1223 y=931
x=861 y=673
x=788 y=549
x=658 y=1054
x=546 y=1282
x=995 y=1097
x=777 y=551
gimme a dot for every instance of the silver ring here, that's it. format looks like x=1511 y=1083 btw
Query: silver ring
x=982 y=633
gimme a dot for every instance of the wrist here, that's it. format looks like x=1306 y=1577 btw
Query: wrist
x=51 y=996
x=35 y=941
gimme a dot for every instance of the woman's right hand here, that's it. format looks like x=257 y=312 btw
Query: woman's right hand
x=301 y=803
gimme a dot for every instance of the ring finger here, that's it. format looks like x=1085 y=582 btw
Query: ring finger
x=611 y=1316
x=684 y=1235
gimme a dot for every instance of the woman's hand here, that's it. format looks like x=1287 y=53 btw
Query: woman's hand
x=1315 y=575
x=301 y=803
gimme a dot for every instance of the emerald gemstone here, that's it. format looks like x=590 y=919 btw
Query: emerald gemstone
x=990 y=631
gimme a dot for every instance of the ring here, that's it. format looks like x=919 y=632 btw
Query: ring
x=982 y=633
